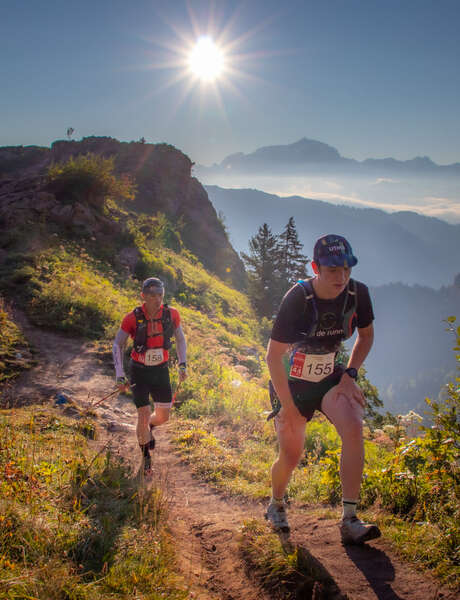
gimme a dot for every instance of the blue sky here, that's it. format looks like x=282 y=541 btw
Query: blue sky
x=372 y=78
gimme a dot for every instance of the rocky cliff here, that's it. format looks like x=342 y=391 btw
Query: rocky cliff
x=164 y=184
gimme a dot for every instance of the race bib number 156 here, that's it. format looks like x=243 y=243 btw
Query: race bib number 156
x=312 y=367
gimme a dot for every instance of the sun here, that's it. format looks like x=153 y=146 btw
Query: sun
x=206 y=60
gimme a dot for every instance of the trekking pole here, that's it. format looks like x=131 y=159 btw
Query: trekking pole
x=108 y=396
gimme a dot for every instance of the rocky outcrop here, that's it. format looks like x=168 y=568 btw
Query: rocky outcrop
x=164 y=184
x=127 y=258
x=26 y=200
x=19 y=159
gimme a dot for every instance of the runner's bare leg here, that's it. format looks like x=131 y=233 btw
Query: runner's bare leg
x=291 y=447
x=142 y=429
x=347 y=417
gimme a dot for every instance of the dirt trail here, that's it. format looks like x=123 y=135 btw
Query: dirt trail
x=205 y=523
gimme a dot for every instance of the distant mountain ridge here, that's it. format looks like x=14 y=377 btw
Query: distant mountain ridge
x=398 y=247
x=307 y=155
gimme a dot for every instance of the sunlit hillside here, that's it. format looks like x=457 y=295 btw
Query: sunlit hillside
x=82 y=285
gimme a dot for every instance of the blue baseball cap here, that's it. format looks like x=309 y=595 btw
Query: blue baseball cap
x=334 y=251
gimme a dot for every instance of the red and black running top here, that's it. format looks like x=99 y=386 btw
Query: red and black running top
x=154 y=328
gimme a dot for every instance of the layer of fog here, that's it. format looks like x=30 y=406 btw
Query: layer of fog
x=432 y=197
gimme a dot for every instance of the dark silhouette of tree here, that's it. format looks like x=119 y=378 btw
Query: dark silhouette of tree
x=261 y=264
x=292 y=264
x=274 y=264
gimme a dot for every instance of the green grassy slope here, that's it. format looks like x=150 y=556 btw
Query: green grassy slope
x=76 y=285
x=56 y=492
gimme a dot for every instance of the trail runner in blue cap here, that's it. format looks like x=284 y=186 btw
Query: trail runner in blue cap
x=314 y=317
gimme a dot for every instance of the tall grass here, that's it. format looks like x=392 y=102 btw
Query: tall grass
x=75 y=523
x=74 y=296
x=15 y=354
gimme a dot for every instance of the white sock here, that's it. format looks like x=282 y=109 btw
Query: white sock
x=349 y=508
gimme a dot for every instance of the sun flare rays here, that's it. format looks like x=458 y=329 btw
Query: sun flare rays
x=206 y=60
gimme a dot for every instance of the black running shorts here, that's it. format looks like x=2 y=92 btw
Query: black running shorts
x=307 y=396
x=153 y=381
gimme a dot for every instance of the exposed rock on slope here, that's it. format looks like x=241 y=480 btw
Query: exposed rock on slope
x=164 y=184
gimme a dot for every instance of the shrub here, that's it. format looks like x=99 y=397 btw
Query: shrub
x=88 y=179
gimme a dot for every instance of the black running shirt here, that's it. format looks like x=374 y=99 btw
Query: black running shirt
x=295 y=313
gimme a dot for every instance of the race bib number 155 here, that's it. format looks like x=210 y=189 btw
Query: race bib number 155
x=312 y=367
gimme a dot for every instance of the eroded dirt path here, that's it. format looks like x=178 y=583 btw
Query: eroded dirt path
x=206 y=524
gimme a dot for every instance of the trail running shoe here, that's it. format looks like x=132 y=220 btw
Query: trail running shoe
x=354 y=531
x=276 y=515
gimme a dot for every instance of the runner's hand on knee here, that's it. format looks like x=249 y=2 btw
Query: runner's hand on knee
x=359 y=396
x=349 y=388
x=356 y=394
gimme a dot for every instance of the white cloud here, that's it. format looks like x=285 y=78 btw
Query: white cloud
x=423 y=197
x=384 y=180
x=430 y=206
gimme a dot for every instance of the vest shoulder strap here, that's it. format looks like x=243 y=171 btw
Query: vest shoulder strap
x=309 y=297
x=167 y=326
x=140 y=339
x=307 y=287
x=352 y=288
x=166 y=317
x=139 y=313
x=350 y=308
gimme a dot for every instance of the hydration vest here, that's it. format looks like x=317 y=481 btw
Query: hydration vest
x=140 y=339
x=348 y=310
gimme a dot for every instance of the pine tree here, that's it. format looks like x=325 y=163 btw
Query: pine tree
x=292 y=264
x=261 y=263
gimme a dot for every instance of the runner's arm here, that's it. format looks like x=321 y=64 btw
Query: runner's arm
x=181 y=345
x=117 y=352
x=347 y=385
x=362 y=346
x=275 y=353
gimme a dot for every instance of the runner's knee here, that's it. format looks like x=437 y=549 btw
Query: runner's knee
x=290 y=453
x=161 y=415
